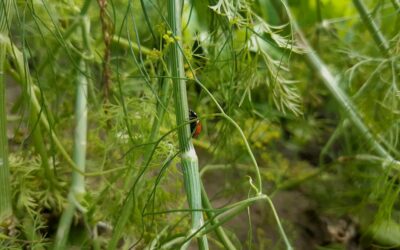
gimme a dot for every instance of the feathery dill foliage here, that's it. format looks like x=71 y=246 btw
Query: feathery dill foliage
x=255 y=55
x=259 y=102
x=366 y=87
x=374 y=75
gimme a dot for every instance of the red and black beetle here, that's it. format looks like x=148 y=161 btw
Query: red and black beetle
x=195 y=125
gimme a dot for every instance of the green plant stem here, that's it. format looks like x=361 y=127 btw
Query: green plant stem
x=373 y=29
x=5 y=189
x=331 y=83
x=127 y=44
x=396 y=5
x=64 y=227
x=40 y=148
x=232 y=211
x=220 y=232
x=334 y=136
x=78 y=180
x=189 y=158
x=77 y=189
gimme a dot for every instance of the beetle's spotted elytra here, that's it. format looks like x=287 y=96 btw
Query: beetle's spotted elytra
x=195 y=125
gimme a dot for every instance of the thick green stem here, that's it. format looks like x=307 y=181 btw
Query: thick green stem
x=5 y=190
x=188 y=156
x=367 y=19
x=77 y=189
x=78 y=180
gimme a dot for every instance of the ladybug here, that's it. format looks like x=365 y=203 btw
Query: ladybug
x=195 y=125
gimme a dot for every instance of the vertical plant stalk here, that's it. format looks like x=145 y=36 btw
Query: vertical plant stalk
x=189 y=158
x=219 y=231
x=78 y=180
x=396 y=5
x=40 y=147
x=372 y=27
x=5 y=190
x=77 y=189
x=341 y=97
x=108 y=30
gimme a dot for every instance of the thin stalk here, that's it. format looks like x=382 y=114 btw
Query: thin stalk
x=225 y=214
x=108 y=30
x=77 y=189
x=189 y=158
x=153 y=244
x=220 y=232
x=331 y=83
x=372 y=27
x=232 y=211
x=335 y=135
x=64 y=226
x=5 y=190
x=396 y=5
x=40 y=148
x=131 y=44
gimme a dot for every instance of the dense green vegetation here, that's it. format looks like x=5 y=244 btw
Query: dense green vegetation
x=299 y=106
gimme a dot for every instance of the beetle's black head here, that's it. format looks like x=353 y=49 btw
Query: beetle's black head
x=192 y=115
x=194 y=123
